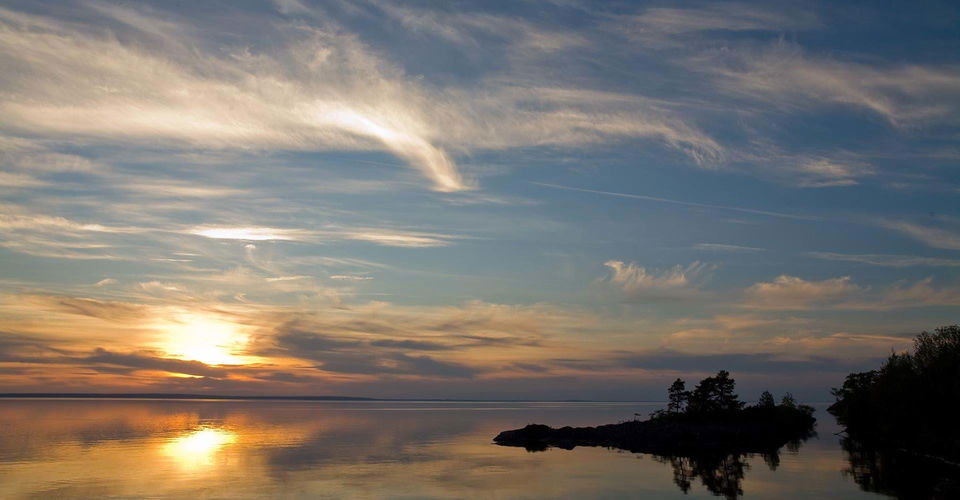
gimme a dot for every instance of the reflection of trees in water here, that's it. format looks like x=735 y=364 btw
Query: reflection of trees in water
x=722 y=473
x=898 y=473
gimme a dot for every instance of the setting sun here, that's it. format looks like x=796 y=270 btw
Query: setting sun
x=207 y=339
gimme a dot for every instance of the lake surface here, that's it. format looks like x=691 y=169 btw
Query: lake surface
x=402 y=450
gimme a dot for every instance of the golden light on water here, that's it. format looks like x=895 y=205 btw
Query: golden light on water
x=204 y=338
x=199 y=448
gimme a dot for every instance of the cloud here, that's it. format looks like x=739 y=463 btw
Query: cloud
x=317 y=88
x=922 y=293
x=785 y=76
x=244 y=100
x=248 y=233
x=412 y=345
x=679 y=202
x=721 y=247
x=27 y=350
x=793 y=293
x=471 y=29
x=675 y=282
x=100 y=309
x=665 y=25
x=665 y=359
x=60 y=237
x=885 y=260
x=398 y=238
x=787 y=293
x=830 y=172
x=366 y=358
x=149 y=361
x=349 y=277
x=17 y=348
x=933 y=236
x=384 y=237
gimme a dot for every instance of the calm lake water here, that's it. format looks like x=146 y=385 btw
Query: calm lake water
x=293 y=449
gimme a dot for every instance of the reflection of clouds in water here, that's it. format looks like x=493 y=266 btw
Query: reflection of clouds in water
x=185 y=449
x=199 y=448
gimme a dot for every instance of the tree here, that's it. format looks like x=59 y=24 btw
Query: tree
x=788 y=401
x=726 y=398
x=702 y=398
x=714 y=394
x=766 y=400
x=678 y=396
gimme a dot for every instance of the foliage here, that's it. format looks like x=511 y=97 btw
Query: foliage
x=714 y=394
x=766 y=400
x=911 y=400
x=788 y=401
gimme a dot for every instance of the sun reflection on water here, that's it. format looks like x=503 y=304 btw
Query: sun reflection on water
x=199 y=448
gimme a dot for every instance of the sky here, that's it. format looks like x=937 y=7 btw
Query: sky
x=549 y=200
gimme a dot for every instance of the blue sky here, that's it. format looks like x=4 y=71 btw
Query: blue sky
x=472 y=199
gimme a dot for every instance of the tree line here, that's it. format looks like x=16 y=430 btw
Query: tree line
x=717 y=394
x=912 y=401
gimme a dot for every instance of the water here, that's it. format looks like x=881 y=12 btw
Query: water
x=296 y=449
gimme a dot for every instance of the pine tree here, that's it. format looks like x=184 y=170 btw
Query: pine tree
x=678 y=396
x=726 y=398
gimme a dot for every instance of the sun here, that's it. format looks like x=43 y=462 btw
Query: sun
x=205 y=338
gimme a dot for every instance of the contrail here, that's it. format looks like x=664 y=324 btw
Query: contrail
x=679 y=202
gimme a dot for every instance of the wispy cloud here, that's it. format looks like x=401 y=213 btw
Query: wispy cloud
x=884 y=260
x=248 y=233
x=786 y=76
x=675 y=282
x=320 y=89
x=731 y=16
x=937 y=237
x=790 y=293
x=679 y=202
x=721 y=247
x=385 y=237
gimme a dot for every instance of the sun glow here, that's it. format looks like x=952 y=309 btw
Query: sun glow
x=206 y=339
x=199 y=448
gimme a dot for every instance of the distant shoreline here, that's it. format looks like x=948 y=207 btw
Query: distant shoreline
x=172 y=396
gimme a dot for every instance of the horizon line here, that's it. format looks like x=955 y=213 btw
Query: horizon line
x=192 y=396
x=230 y=397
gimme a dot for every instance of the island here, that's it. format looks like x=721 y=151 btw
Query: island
x=708 y=420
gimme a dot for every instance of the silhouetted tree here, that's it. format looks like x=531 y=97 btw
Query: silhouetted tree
x=766 y=400
x=714 y=394
x=678 y=395
x=727 y=399
x=788 y=401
